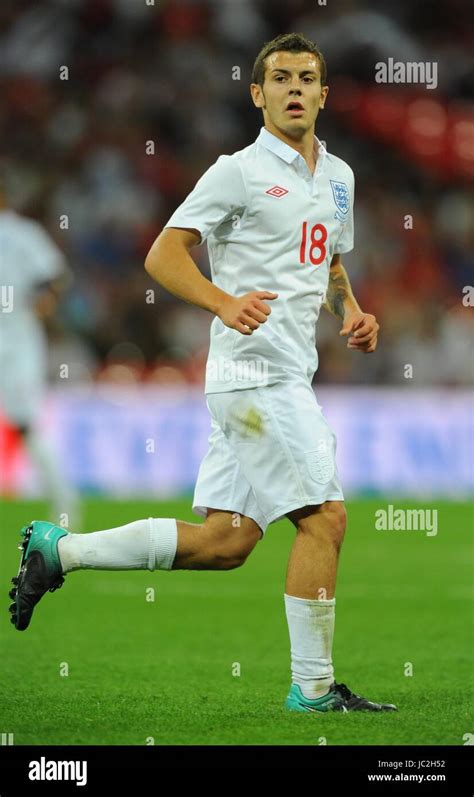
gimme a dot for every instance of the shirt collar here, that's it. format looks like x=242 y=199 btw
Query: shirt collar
x=283 y=150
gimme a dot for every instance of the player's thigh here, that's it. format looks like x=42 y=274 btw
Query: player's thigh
x=284 y=445
x=327 y=519
x=221 y=484
x=232 y=532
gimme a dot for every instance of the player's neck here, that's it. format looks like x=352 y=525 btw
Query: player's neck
x=305 y=146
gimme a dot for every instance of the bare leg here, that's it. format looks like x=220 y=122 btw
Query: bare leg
x=312 y=566
x=309 y=596
x=222 y=542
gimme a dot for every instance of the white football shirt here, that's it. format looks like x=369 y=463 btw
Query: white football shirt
x=270 y=225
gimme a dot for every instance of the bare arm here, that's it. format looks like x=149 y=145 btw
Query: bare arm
x=339 y=297
x=170 y=264
x=361 y=327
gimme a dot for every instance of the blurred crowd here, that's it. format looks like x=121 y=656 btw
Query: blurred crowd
x=149 y=100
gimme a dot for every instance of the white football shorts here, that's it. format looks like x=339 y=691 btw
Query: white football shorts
x=270 y=451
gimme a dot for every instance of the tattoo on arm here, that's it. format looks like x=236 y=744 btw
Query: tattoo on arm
x=338 y=291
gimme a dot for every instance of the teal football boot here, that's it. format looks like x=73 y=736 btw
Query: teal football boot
x=40 y=570
x=339 y=698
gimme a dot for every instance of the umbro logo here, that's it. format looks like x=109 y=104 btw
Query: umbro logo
x=277 y=190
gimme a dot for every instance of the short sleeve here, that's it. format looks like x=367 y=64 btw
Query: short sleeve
x=218 y=194
x=345 y=242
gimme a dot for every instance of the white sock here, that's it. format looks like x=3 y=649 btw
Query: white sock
x=311 y=627
x=145 y=544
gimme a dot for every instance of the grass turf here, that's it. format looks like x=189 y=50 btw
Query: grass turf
x=164 y=669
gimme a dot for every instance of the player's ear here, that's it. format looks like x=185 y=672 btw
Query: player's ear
x=257 y=95
x=324 y=94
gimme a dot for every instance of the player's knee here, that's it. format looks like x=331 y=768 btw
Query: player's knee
x=231 y=546
x=335 y=517
x=232 y=553
x=336 y=511
x=339 y=521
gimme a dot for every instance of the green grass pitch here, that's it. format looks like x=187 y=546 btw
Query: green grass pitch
x=164 y=670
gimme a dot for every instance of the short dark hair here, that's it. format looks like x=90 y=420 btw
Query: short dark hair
x=290 y=42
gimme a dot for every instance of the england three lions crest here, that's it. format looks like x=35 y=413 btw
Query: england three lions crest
x=341 y=196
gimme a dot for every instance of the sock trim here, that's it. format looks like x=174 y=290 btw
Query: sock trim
x=310 y=601
x=163 y=543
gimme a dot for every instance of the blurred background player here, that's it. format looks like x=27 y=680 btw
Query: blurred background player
x=33 y=274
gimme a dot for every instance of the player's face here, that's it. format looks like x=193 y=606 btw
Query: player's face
x=290 y=78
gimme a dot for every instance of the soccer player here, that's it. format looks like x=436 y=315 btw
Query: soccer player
x=33 y=274
x=277 y=216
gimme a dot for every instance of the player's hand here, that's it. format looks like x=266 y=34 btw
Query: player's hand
x=246 y=313
x=362 y=329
